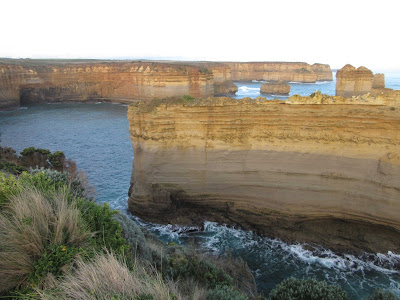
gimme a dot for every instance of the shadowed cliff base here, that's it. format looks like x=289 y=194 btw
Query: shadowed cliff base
x=318 y=169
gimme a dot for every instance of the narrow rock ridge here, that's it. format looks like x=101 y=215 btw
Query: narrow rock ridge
x=318 y=169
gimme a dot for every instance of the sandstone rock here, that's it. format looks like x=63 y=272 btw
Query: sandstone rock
x=353 y=82
x=275 y=88
x=378 y=81
x=126 y=82
x=318 y=169
x=276 y=71
x=223 y=88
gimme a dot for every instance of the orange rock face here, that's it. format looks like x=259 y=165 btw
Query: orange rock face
x=278 y=88
x=276 y=71
x=353 y=82
x=378 y=81
x=38 y=81
x=317 y=169
x=119 y=82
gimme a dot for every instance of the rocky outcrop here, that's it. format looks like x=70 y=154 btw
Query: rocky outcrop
x=37 y=82
x=317 y=169
x=353 y=82
x=275 y=88
x=224 y=88
x=378 y=81
x=276 y=71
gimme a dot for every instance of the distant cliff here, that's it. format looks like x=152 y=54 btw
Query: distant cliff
x=39 y=81
x=317 y=169
x=354 y=82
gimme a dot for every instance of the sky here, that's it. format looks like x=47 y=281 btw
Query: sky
x=333 y=32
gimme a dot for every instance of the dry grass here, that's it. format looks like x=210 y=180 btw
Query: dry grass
x=30 y=223
x=107 y=277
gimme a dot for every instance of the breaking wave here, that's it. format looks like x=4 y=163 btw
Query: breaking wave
x=272 y=260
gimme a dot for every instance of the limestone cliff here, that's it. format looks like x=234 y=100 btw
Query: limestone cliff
x=38 y=82
x=317 y=169
x=275 y=88
x=276 y=71
x=353 y=82
x=378 y=81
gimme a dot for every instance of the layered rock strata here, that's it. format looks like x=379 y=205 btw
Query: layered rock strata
x=38 y=81
x=276 y=71
x=275 y=88
x=100 y=81
x=318 y=169
x=378 y=81
x=353 y=82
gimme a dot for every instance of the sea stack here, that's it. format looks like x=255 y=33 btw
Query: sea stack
x=275 y=88
x=224 y=88
x=378 y=81
x=319 y=169
x=353 y=82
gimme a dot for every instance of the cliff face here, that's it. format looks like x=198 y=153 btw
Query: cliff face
x=276 y=71
x=122 y=82
x=353 y=82
x=316 y=169
x=275 y=88
x=378 y=81
x=39 y=81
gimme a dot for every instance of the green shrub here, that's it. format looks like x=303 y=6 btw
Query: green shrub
x=307 y=289
x=108 y=231
x=224 y=293
x=187 y=98
x=11 y=167
x=382 y=295
x=202 y=271
x=57 y=159
x=62 y=179
x=8 y=186
x=52 y=261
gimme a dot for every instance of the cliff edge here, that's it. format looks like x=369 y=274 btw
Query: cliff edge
x=317 y=169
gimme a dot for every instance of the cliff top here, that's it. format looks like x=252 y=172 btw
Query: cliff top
x=388 y=98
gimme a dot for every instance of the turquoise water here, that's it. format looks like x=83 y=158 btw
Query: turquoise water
x=96 y=136
x=252 y=89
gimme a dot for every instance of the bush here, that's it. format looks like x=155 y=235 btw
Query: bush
x=308 y=289
x=383 y=295
x=108 y=277
x=52 y=261
x=107 y=231
x=31 y=224
x=202 y=271
x=224 y=293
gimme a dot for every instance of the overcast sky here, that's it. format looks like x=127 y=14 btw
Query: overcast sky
x=334 y=32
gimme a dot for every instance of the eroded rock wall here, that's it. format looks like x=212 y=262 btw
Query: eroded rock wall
x=317 y=169
x=277 y=71
x=353 y=82
x=109 y=81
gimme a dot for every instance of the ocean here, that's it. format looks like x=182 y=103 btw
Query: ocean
x=96 y=136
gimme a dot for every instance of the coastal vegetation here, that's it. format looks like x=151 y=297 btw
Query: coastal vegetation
x=57 y=243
